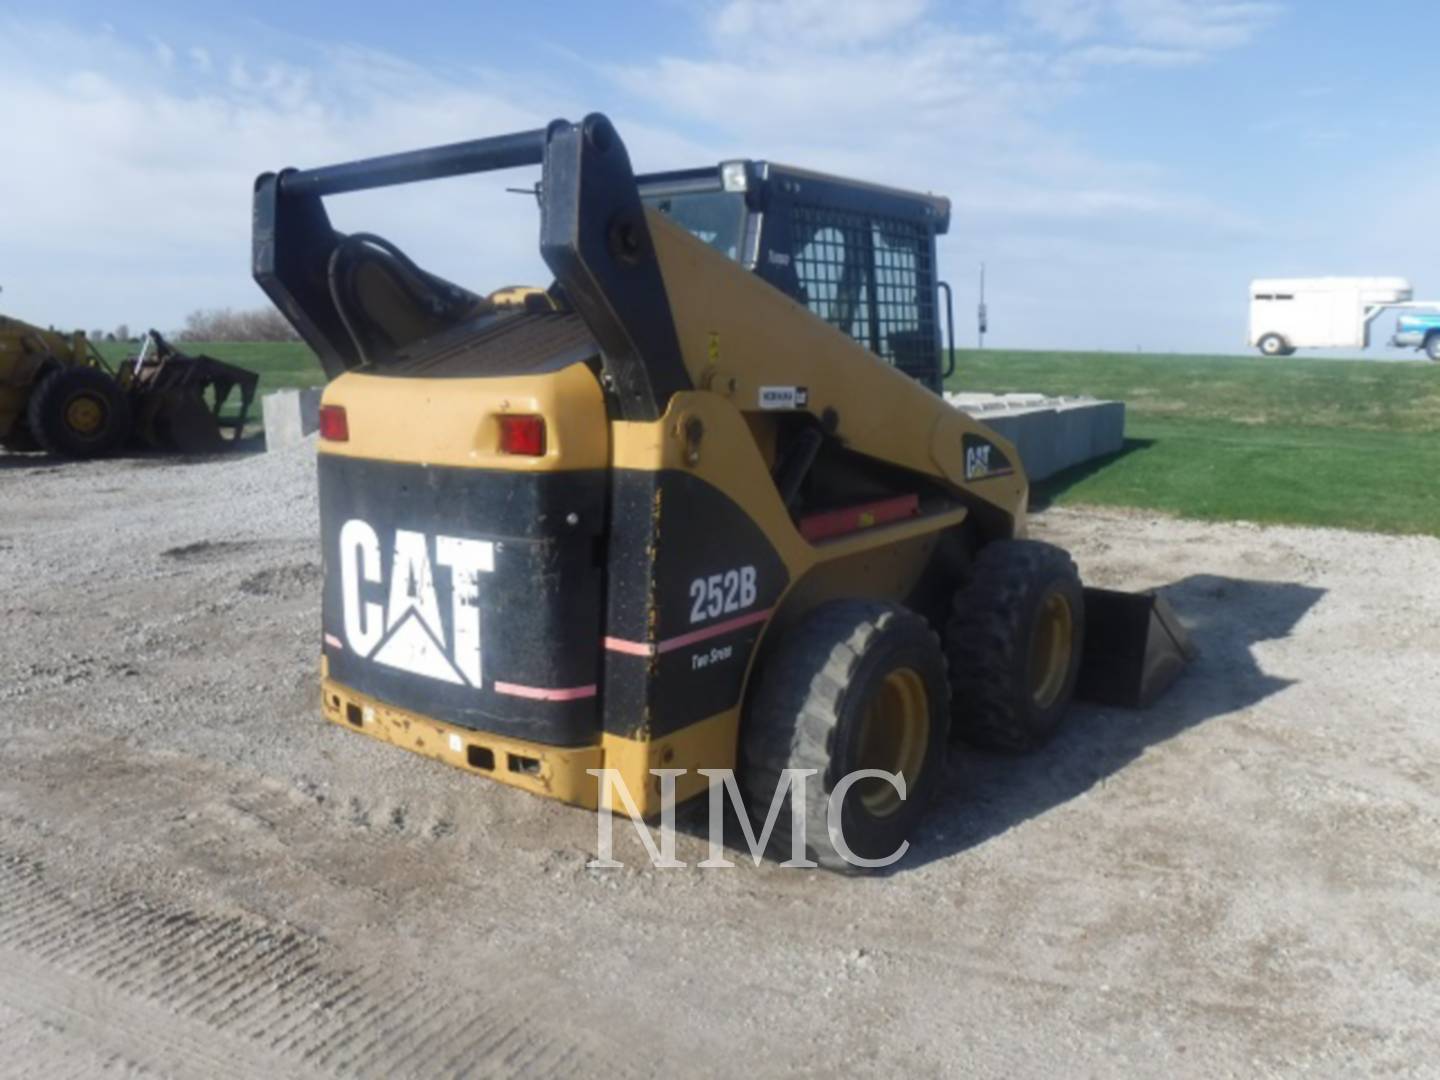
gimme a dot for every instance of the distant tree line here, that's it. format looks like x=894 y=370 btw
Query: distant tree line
x=216 y=324
x=227 y=324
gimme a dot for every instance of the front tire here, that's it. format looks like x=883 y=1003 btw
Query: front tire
x=856 y=684
x=78 y=412
x=1432 y=347
x=1014 y=641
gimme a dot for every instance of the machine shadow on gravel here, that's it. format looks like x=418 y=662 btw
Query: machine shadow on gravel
x=241 y=450
x=10 y=461
x=989 y=794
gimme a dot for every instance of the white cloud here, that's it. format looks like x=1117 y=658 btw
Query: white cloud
x=842 y=97
x=135 y=202
x=814 y=22
x=164 y=54
x=1082 y=204
x=1150 y=33
x=924 y=105
x=1194 y=24
x=931 y=104
x=1142 y=56
x=1068 y=20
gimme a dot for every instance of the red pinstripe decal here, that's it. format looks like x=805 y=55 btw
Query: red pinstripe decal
x=541 y=693
x=634 y=648
x=641 y=648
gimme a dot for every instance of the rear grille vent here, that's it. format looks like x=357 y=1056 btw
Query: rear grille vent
x=520 y=344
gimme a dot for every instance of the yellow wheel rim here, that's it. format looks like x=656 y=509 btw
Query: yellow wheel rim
x=1050 y=649
x=894 y=734
x=84 y=414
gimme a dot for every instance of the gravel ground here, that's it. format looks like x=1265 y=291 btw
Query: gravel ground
x=199 y=876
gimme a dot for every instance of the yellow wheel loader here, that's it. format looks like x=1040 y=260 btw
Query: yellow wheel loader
x=58 y=394
x=694 y=506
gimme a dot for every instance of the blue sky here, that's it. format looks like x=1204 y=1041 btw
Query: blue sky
x=1124 y=167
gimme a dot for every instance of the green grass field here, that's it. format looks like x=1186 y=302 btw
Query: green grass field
x=1299 y=441
x=1294 y=440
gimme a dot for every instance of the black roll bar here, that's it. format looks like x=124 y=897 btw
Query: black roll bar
x=435 y=163
x=593 y=236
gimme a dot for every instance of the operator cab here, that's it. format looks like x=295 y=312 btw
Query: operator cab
x=861 y=256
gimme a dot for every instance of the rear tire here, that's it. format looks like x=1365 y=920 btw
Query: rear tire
x=1014 y=642
x=78 y=412
x=1273 y=345
x=1432 y=347
x=856 y=685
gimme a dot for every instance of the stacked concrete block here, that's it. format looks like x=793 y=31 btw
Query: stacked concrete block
x=1052 y=434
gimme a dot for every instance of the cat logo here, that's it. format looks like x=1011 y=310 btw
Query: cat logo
x=408 y=632
x=983 y=459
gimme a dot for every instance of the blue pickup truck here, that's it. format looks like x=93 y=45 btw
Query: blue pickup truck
x=1419 y=331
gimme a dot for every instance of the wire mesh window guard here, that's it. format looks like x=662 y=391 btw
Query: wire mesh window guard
x=869 y=276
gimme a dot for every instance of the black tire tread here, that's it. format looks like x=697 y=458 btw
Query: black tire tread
x=985 y=633
x=46 y=425
x=796 y=709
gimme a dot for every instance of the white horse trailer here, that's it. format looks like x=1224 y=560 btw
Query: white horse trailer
x=1319 y=313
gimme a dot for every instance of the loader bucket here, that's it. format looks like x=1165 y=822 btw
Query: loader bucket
x=181 y=421
x=1135 y=648
x=177 y=399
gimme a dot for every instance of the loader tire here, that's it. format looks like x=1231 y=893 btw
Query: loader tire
x=857 y=684
x=1014 y=641
x=78 y=412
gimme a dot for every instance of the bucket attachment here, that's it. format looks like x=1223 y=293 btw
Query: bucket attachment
x=1135 y=648
x=177 y=399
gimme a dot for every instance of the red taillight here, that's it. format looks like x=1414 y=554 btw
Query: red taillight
x=333 y=425
x=522 y=435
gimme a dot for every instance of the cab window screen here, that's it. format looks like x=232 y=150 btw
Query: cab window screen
x=871 y=277
x=716 y=217
x=904 y=307
x=833 y=261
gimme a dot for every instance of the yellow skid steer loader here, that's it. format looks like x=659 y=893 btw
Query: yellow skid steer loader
x=696 y=505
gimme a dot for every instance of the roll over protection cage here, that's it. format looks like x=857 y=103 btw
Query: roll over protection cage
x=593 y=237
x=809 y=234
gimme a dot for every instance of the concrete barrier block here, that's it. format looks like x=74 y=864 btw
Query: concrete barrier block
x=289 y=416
x=1033 y=433
x=1073 y=437
x=1050 y=434
x=1108 y=428
x=1086 y=430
